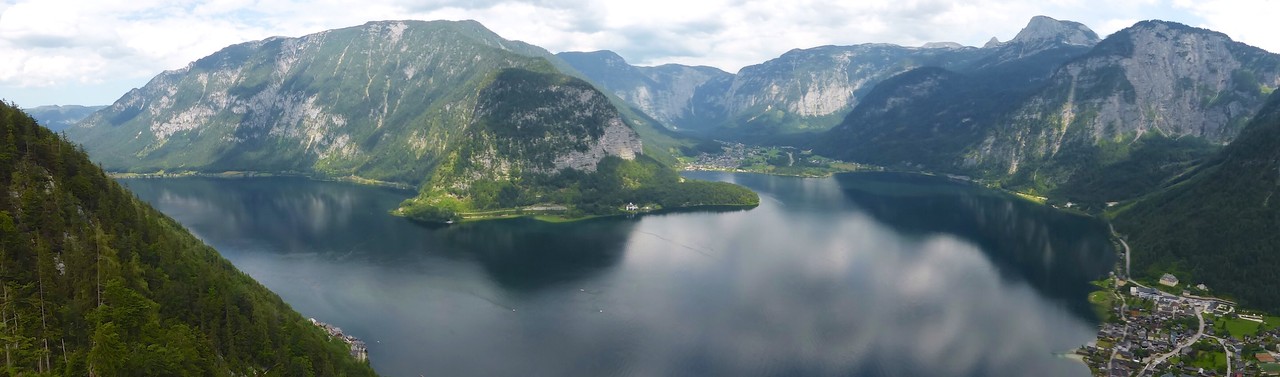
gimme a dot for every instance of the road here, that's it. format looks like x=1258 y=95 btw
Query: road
x=1127 y=274
x=1175 y=351
x=1224 y=350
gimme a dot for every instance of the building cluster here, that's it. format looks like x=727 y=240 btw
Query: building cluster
x=731 y=160
x=1155 y=329
x=358 y=348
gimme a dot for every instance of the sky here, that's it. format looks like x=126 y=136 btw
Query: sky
x=91 y=52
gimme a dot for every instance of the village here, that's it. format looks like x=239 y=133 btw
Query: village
x=1166 y=330
x=786 y=161
x=358 y=348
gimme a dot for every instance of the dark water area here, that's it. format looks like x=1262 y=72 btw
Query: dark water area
x=869 y=274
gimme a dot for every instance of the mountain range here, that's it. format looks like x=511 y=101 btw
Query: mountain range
x=478 y=122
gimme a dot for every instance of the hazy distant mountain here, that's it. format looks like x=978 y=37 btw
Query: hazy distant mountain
x=57 y=118
x=663 y=92
x=1118 y=120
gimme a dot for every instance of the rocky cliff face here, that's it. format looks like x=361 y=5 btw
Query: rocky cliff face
x=810 y=90
x=1151 y=97
x=1155 y=78
x=385 y=100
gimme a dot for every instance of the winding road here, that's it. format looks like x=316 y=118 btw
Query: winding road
x=1127 y=274
x=1188 y=343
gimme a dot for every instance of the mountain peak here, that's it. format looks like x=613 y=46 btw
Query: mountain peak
x=1043 y=29
x=994 y=42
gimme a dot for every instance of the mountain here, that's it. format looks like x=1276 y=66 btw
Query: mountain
x=58 y=118
x=663 y=92
x=1123 y=118
x=427 y=104
x=803 y=90
x=1218 y=227
x=381 y=101
x=95 y=282
x=812 y=90
x=544 y=139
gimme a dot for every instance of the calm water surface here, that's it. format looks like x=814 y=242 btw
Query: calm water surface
x=862 y=274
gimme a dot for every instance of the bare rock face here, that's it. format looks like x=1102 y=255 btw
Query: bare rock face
x=813 y=89
x=1043 y=30
x=1154 y=78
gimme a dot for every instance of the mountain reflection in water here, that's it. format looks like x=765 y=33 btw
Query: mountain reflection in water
x=862 y=274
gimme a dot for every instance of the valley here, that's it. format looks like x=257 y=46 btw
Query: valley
x=432 y=197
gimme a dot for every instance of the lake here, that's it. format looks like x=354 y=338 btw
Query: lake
x=868 y=274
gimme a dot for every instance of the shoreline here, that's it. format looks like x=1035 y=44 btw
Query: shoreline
x=254 y=174
x=546 y=216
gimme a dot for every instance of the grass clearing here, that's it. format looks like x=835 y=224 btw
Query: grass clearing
x=1102 y=302
x=1270 y=323
x=1210 y=360
x=1239 y=328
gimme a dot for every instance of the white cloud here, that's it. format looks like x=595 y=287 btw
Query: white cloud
x=75 y=44
x=1248 y=21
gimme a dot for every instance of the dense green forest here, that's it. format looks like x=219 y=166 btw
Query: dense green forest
x=95 y=282
x=1221 y=227
x=615 y=183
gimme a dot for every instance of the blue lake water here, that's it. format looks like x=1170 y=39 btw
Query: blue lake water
x=869 y=274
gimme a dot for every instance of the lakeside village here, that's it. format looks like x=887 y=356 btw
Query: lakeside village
x=1166 y=330
x=358 y=348
x=787 y=161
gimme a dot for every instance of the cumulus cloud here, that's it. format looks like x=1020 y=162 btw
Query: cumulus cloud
x=80 y=44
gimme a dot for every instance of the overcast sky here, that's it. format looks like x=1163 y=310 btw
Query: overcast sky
x=93 y=51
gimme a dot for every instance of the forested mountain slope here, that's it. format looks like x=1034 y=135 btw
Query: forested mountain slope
x=1221 y=227
x=95 y=282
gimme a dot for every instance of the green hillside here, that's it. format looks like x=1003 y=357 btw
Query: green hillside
x=95 y=282
x=1221 y=227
